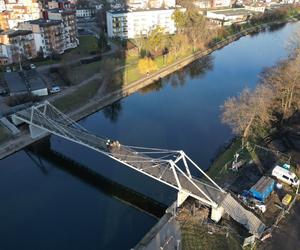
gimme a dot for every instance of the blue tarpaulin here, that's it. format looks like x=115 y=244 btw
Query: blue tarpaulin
x=263 y=188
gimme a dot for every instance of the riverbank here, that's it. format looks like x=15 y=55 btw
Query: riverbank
x=95 y=104
x=181 y=115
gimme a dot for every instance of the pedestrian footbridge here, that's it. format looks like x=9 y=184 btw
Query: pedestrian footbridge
x=170 y=167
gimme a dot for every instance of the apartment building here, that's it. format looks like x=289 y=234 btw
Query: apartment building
x=143 y=4
x=205 y=4
x=16 y=11
x=85 y=12
x=134 y=22
x=68 y=19
x=19 y=45
x=48 y=35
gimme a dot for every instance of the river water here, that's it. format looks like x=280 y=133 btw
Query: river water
x=44 y=207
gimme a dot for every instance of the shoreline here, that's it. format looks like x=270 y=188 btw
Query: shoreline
x=16 y=144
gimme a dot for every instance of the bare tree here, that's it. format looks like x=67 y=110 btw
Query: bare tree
x=248 y=113
x=284 y=79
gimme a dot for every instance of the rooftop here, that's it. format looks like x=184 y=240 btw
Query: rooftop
x=14 y=33
x=44 y=23
x=63 y=12
x=129 y=10
x=34 y=80
x=232 y=12
x=15 y=82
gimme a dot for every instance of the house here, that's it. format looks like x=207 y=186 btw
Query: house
x=35 y=83
x=256 y=7
x=24 y=82
x=14 y=12
x=48 y=35
x=85 y=12
x=229 y=16
x=205 y=4
x=5 y=54
x=69 y=25
x=15 y=84
x=19 y=44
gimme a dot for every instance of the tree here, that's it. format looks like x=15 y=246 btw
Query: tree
x=156 y=41
x=180 y=19
x=113 y=111
x=146 y=65
x=102 y=42
x=249 y=113
x=178 y=44
x=40 y=53
x=197 y=31
x=82 y=3
x=140 y=43
x=284 y=79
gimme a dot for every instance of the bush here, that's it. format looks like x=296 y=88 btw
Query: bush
x=91 y=60
x=21 y=99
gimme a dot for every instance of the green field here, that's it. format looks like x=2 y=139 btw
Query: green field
x=4 y=136
x=87 y=45
x=196 y=237
x=216 y=170
x=77 y=98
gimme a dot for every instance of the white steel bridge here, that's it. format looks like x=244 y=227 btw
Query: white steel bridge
x=171 y=167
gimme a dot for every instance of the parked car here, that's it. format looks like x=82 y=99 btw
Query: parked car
x=7 y=69
x=55 y=89
x=285 y=176
x=32 y=66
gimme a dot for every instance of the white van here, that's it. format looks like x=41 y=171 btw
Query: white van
x=285 y=175
x=55 y=89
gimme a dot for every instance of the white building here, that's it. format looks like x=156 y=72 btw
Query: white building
x=229 y=16
x=84 y=12
x=134 y=23
x=204 y=4
x=143 y=4
x=256 y=7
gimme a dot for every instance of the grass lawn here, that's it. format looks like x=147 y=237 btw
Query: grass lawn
x=195 y=236
x=131 y=74
x=46 y=62
x=77 y=98
x=215 y=169
x=79 y=73
x=87 y=44
x=83 y=71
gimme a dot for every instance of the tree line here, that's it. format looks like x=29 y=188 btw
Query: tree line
x=276 y=98
x=194 y=32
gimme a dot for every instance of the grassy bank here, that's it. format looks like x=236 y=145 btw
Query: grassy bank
x=197 y=237
x=217 y=169
x=78 y=97
x=88 y=45
x=4 y=135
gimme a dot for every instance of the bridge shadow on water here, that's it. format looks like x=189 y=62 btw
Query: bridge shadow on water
x=42 y=149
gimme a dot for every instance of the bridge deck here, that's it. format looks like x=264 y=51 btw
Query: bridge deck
x=134 y=159
x=160 y=170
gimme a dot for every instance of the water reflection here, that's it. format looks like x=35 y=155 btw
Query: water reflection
x=197 y=69
x=113 y=111
x=42 y=151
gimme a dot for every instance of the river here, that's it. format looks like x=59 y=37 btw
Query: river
x=45 y=207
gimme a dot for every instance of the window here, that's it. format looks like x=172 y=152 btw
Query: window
x=285 y=177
